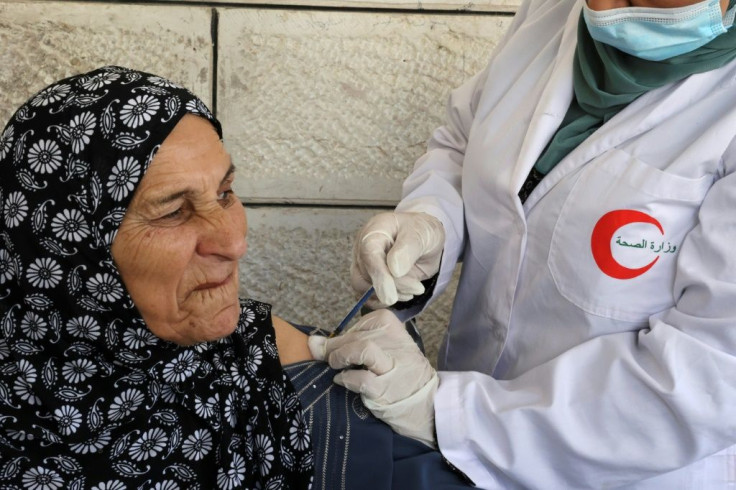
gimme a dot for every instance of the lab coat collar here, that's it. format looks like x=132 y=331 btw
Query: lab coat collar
x=551 y=110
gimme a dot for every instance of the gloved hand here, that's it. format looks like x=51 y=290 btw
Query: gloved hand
x=394 y=252
x=397 y=383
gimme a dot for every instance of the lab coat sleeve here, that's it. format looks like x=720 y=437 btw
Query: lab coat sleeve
x=434 y=187
x=435 y=184
x=622 y=407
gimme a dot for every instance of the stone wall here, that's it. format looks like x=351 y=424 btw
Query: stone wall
x=325 y=105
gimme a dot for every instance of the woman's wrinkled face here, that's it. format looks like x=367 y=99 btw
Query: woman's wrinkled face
x=615 y=4
x=178 y=246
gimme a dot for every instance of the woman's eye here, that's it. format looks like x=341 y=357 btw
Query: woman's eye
x=226 y=197
x=173 y=214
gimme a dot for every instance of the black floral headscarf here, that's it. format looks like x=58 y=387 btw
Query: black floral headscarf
x=89 y=397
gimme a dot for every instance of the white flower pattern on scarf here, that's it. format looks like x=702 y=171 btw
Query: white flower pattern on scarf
x=138 y=337
x=68 y=418
x=105 y=288
x=41 y=478
x=33 y=326
x=125 y=403
x=234 y=476
x=44 y=156
x=181 y=368
x=15 y=209
x=44 y=273
x=82 y=127
x=166 y=485
x=78 y=370
x=84 y=327
x=299 y=434
x=99 y=80
x=152 y=442
x=91 y=399
x=139 y=110
x=69 y=225
x=123 y=178
x=50 y=95
x=197 y=445
x=206 y=408
x=6 y=266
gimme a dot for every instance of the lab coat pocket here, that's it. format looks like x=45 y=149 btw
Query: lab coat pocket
x=615 y=245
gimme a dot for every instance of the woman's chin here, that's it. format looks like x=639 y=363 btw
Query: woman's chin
x=203 y=327
x=224 y=323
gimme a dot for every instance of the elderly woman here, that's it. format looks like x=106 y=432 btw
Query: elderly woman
x=127 y=359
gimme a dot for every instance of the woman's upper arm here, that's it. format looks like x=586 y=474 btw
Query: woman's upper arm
x=290 y=342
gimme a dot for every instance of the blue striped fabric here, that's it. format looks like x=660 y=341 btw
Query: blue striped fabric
x=353 y=450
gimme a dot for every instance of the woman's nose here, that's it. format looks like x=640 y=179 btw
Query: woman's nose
x=224 y=234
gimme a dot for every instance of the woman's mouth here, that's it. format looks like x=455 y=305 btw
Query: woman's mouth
x=214 y=284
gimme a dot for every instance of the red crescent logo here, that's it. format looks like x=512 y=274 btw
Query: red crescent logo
x=600 y=242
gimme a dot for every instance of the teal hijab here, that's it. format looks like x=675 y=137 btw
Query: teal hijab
x=605 y=80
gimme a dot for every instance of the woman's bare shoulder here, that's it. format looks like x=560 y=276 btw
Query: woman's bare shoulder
x=290 y=342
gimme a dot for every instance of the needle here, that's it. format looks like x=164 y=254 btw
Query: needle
x=353 y=312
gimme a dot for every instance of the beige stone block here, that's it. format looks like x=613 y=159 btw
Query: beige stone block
x=458 y=5
x=41 y=42
x=335 y=107
x=298 y=260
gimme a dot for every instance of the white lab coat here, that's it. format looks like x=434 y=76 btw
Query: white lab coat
x=556 y=373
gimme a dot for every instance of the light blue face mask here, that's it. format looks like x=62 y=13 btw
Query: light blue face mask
x=658 y=33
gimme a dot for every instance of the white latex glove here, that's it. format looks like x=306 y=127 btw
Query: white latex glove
x=394 y=252
x=396 y=382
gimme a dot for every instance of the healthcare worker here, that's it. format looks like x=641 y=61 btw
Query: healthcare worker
x=586 y=179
